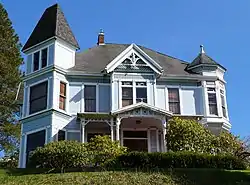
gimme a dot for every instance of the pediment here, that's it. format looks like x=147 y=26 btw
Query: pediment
x=133 y=59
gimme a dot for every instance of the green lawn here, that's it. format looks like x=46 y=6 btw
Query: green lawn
x=176 y=177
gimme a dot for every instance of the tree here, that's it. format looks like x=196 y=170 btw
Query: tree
x=10 y=61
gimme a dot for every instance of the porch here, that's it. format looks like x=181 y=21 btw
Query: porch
x=140 y=127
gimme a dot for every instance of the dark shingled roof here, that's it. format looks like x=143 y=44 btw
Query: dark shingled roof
x=51 y=24
x=95 y=59
x=202 y=58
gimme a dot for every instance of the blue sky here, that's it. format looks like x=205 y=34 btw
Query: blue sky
x=174 y=27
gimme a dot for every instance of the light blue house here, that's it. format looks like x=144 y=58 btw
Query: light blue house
x=126 y=91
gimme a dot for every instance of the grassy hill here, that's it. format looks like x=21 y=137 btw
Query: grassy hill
x=175 y=177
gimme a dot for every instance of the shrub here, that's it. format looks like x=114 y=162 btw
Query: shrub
x=141 y=160
x=190 y=135
x=101 y=149
x=60 y=155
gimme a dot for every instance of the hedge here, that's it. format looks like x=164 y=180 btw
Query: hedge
x=143 y=160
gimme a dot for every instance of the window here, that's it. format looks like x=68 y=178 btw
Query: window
x=141 y=92
x=127 y=93
x=62 y=98
x=212 y=102
x=174 y=100
x=90 y=98
x=44 y=57
x=38 y=97
x=61 y=135
x=223 y=103
x=36 y=61
x=40 y=59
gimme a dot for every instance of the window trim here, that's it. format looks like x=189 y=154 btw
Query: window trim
x=28 y=97
x=225 y=106
x=179 y=94
x=96 y=95
x=29 y=92
x=134 y=87
x=216 y=97
x=65 y=97
x=40 y=58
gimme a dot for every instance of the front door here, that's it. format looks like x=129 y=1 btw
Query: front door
x=135 y=140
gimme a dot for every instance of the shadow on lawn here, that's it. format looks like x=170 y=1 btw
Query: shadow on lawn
x=210 y=177
x=180 y=176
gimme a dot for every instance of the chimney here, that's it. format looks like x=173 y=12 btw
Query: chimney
x=101 y=38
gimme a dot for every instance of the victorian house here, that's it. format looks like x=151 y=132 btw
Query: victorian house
x=126 y=91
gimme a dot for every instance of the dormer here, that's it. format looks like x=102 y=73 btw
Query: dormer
x=51 y=43
x=206 y=66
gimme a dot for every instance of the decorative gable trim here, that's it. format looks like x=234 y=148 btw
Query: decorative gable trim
x=142 y=105
x=133 y=55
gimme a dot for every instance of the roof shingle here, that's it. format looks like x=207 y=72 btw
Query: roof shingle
x=52 y=23
x=95 y=59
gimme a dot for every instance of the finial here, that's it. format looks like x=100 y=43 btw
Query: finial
x=101 y=32
x=202 y=49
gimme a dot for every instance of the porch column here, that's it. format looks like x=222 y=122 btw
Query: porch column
x=164 y=125
x=83 y=131
x=118 y=123
x=112 y=129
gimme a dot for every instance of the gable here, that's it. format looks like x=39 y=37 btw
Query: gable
x=133 y=59
x=134 y=63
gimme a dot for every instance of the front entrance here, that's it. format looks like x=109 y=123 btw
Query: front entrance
x=135 y=140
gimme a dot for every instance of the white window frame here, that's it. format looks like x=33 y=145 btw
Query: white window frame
x=134 y=86
x=97 y=95
x=66 y=99
x=28 y=96
x=180 y=96
x=222 y=93
x=40 y=59
x=25 y=141
x=212 y=92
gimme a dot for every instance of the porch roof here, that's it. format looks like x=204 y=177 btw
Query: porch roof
x=142 y=105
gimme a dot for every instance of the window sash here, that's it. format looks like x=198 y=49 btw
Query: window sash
x=174 y=100
x=127 y=96
x=223 y=105
x=44 y=57
x=36 y=59
x=141 y=95
x=212 y=102
x=90 y=98
x=38 y=97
